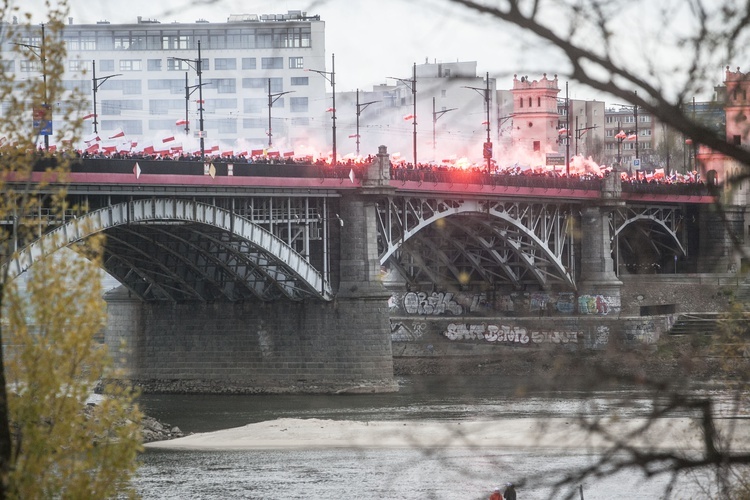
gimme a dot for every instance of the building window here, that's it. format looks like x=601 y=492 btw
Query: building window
x=164 y=106
x=225 y=85
x=75 y=65
x=254 y=105
x=225 y=63
x=36 y=65
x=272 y=63
x=261 y=123
x=296 y=63
x=537 y=144
x=115 y=107
x=298 y=104
x=153 y=64
x=298 y=81
x=130 y=65
x=539 y=102
x=443 y=93
x=248 y=63
x=107 y=65
x=529 y=101
x=521 y=101
x=277 y=84
x=174 y=86
x=177 y=65
x=301 y=121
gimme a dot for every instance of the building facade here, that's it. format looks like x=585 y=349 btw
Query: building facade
x=253 y=74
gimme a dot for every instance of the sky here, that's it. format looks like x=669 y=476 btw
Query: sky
x=371 y=39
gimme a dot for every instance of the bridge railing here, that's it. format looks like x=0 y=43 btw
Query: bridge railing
x=455 y=176
x=296 y=169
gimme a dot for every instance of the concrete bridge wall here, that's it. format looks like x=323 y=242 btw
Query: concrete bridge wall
x=252 y=347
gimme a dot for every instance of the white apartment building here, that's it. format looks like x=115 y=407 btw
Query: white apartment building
x=253 y=71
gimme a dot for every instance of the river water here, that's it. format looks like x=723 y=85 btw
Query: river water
x=450 y=473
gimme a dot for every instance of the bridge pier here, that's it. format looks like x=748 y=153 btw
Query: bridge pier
x=277 y=346
x=718 y=252
x=598 y=275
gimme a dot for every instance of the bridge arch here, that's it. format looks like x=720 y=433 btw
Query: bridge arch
x=509 y=242
x=645 y=237
x=178 y=249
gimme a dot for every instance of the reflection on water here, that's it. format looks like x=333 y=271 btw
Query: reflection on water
x=402 y=474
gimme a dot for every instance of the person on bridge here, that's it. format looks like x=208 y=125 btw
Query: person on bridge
x=510 y=492
x=496 y=495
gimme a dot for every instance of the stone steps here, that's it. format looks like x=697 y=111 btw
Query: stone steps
x=696 y=323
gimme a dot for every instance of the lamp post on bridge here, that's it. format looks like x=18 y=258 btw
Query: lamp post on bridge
x=485 y=92
x=412 y=85
x=42 y=118
x=189 y=89
x=97 y=82
x=331 y=77
x=196 y=64
x=360 y=108
x=435 y=116
x=272 y=98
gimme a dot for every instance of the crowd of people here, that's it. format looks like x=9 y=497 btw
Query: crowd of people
x=455 y=172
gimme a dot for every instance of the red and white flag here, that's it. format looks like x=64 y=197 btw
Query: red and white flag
x=167 y=139
x=288 y=154
x=117 y=133
x=88 y=116
x=621 y=135
x=137 y=170
x=409 y=117
x=91 y=138
x=181 y=122
x=632 y=137
x=354 y=136
x=561 y=131
x=330 y=110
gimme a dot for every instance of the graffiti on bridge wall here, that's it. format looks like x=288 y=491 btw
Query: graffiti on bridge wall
x=510 y=334
x=518 y=303
x=402 y=332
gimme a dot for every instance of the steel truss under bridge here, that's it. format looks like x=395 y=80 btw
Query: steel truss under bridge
x=178 y=249
x=475 y=242
x=646 y=236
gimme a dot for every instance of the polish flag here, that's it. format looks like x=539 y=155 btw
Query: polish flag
x=168 y=139
x=110 y=148
x=89 y=116
x=487 y=123
x=227 y=153
x=91 y=138
x=117 y=133
x=256 y=152
x=181 y=122
x=273 y=154
x=137 y=170
x=288 y=154
x=562 y=131
x=632 y=137
x=354 y=136
x=621 y=135
x=149 y=150
x=330 y=110
x=409 y=117
x=52 y=148
x=93 y=148
x=242 y=153
x=176 y=147
x=215 y=147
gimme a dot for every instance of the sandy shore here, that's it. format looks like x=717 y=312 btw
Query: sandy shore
x=498 y=434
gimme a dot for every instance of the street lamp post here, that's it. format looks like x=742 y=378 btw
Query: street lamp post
x=579 y=133
x=412 y=85
x=45 y=118
x=360 y=108
x=196 y=64
x=331 y=77
x=272 y=98
x=189 y=89
x=97 y=82
x=435 y=116
x=485 y=92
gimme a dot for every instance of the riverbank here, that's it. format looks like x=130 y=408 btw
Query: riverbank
x=512 y=433
x=698 y=358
